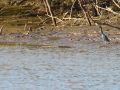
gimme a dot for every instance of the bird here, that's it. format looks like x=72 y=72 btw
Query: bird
x=103 y=35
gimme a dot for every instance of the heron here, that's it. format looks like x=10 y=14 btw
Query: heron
x=104 y=36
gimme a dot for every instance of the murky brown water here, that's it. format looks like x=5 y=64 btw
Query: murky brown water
x=84 y=67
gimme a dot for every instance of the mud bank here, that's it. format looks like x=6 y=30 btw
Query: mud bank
x=61 y=36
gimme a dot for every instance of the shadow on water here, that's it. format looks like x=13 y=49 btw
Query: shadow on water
x=31 y=45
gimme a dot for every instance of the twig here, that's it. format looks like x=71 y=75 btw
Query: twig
x=56 y=18
x=118 y=1
x=109 y=10
x=116 y=4
x=64 y=15
x=72 y=8
x=49 y=8
x=84 y=11
x=40 y=18
x=25 y=26
x=46 y=6
x=96 y=3
x=44 y=21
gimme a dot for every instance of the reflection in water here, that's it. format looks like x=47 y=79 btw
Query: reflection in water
x=23 y=68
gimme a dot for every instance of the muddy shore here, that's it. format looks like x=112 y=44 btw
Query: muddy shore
x=61 y=36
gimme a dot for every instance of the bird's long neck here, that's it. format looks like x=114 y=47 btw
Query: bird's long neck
x=101 y=30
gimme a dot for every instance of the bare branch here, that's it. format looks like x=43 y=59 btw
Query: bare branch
x=49 y=8
x=72 y=8
x=109 y=10
x=116 y=4
x=65 y=14
x=85 y=12
x=60 y=20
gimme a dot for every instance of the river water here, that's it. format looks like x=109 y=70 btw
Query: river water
x=84 y=67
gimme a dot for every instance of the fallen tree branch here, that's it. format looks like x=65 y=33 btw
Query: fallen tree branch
x=116 y=4
x=109 y=10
